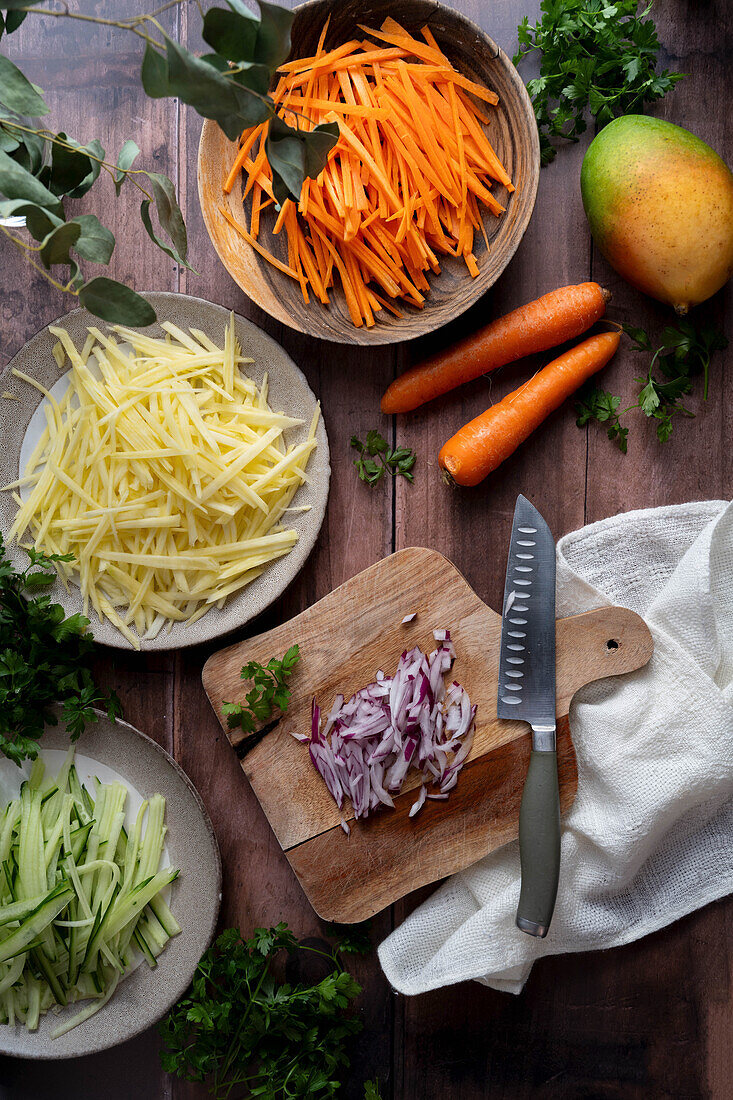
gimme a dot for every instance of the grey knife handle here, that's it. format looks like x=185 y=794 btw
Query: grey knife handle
x=539 y=844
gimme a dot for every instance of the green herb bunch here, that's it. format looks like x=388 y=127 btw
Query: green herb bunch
x=683 y=354
x=44 y=659
x=376 y=458
x=238 y=1025
x=595 y=55
x=269 y=690
x=39 y=168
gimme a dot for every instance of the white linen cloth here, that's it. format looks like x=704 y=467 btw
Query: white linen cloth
x=649 y=837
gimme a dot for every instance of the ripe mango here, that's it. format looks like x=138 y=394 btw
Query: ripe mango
x=660 y=206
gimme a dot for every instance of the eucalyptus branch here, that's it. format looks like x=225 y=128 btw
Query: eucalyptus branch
x=109 y=168
x=131 y=25
x=39 y=168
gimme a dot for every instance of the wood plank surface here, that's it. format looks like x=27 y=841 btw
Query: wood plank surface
x=653 y=1019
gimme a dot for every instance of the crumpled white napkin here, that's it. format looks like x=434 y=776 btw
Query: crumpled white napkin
x=649 y=837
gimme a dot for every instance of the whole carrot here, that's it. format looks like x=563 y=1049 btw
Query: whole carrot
x=483 y=444
x=536 y=326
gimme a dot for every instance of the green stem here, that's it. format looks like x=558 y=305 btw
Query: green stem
x=128 y=25
x=236 y=1040
x=19 y=245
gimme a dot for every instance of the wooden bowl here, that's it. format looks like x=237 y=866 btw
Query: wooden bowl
x=513 y=133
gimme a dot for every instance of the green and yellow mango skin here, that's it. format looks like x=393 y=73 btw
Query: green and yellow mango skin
x=660 y=206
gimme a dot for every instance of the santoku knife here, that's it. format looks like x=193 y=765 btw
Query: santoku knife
x=527 y=692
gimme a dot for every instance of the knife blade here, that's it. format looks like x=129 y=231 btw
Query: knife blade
x=526 y=691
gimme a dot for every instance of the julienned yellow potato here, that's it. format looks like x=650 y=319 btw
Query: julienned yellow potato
x=165 y=474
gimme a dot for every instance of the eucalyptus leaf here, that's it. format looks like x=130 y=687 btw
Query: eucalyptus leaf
x=115 y=302
x=318 y=144
x=17 y=183
x=8 y=141
x=273 y=35
x=17 y=92
x=128 y=154
x=147 y=222
x=232 y=35
x=30 y=151
x=55 y=247
x=252 y=75
x=169 y=216
x=154 y=73
x=13 y=20
x=96 y=243
x=212 y=94
x=240 y=8
x=169 y=211
x=39 y=222
x=286 y=154
x=294 y=154
x=73 y=170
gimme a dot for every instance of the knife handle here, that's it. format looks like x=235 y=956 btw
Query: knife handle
x=539 y=844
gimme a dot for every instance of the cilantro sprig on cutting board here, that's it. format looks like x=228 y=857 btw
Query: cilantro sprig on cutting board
x=595 y=56
x=44 y=659
x=240 y=1026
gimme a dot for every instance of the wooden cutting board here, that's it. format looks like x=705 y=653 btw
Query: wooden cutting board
x=344 y=639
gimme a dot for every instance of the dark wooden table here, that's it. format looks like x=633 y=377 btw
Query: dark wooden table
x=650 y=1020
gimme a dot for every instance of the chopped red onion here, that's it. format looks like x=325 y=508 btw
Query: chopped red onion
x=407 y=722
x=409 y=618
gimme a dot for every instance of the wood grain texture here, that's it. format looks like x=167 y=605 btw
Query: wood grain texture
x=344 y=638
x=512 y=132
x=650 y=1020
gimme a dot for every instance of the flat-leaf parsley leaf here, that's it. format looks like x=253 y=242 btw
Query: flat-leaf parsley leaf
x=239 y=1026
x=269 y=691
x=44 y=659
x=594 y=55
x=377 y=458
x=683 y=353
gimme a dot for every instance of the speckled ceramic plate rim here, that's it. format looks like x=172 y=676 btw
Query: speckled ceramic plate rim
x=289 y=391
x=145 y=997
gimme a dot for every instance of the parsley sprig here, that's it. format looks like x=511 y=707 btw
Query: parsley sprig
x=594 y=55
x=239 y=1025
x=44 y=659
x=269 y=690
x=377 y=458
x=683 y=354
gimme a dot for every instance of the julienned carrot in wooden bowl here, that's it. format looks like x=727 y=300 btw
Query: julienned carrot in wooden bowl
x=484 y=443
x=424 y=198
x=537 y=326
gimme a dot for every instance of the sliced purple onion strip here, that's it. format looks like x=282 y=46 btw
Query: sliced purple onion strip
x=408 y=722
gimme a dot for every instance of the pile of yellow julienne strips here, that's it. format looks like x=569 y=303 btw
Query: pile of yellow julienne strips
x=164 y=472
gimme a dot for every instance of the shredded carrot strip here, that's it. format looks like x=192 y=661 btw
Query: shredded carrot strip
x=404 y=184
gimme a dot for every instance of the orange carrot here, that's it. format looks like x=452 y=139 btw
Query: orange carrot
x=537 y=326
x=483 y=444
x=406 y=182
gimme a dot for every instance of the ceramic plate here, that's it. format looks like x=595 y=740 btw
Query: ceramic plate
x=119 y=751
x=289 y=392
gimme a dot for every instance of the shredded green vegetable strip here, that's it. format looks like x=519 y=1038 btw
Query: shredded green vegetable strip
x=79 y=898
